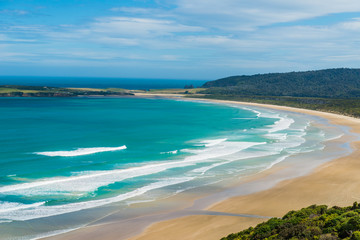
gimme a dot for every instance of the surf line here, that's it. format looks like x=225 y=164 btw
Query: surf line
x=81 y=151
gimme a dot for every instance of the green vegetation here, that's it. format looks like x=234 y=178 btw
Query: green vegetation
x=10 y=90
x=330 y=83
x=35 y=91
x=331 y=90
x=314 y=222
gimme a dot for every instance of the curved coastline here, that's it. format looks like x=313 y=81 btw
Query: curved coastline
x=226 y=206
x=331 y=183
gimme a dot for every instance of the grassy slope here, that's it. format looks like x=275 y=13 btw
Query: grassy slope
x=9 y=89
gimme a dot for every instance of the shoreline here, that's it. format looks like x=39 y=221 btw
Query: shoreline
x=329 y=184
x=201 y=224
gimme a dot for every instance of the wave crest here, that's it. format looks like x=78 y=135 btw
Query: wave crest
x=81 y=151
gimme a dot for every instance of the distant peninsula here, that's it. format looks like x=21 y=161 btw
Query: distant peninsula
x=35 y=91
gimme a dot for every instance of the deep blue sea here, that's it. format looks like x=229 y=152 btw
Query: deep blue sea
x=62 y=155
x=127 y=83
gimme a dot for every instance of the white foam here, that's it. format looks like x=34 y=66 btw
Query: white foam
x=303 y=129
x=52 y=233
x=257 y=153
x=14 y=206
x=233 y=158
x=282 y=124
x=5 y=221
x=210 y=143
x=203 y=170
x=258 y=114
x=280 y=159
x=290 y=142
x=90 y=181
x=270 y=114
x=170 y=152
x=84 y=183
x=220 y=150
x=334 y=137
x=319 y=147
x=80 y=151
x=47 y=211
x=277 y=136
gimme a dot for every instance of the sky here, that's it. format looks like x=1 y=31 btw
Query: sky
x=178 y=39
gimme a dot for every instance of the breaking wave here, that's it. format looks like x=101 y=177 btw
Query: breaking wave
x=81 y=151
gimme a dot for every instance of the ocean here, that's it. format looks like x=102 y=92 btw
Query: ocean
x=63 y=156
x=92 y=82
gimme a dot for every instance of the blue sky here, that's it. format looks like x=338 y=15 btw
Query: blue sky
x=179 y=39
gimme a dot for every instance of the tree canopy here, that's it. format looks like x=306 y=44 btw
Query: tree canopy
x=329 y=83
x=314 y=222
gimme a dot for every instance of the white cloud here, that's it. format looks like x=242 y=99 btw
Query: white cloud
x=247 y=15
x=148 y=27
x=117 y=41
x=205 y=34
x=133 y=10
x=353 y=25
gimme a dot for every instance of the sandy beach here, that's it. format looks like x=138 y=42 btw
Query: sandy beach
x=333 y=183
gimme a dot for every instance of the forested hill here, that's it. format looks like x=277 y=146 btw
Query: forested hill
x=330 y=83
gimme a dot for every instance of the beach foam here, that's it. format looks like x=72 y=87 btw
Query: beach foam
x=52 y=233
x=280 y=159
x=170 y=152
x=222 y=149
x=47 y=211
x=86 y=182
x=80 y=151
x=258 y=114
x=203 y=170
x=210 y=143
x=236 y=157
x=282 y=124
x=277 y=136
x=90 y=181
x=14 y=206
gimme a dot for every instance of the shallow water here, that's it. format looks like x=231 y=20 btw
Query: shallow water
x=60 y=156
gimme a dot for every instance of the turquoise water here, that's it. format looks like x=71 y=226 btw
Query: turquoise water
x=63 y=155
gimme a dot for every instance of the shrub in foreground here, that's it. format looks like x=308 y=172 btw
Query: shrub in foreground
x=314 y=222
